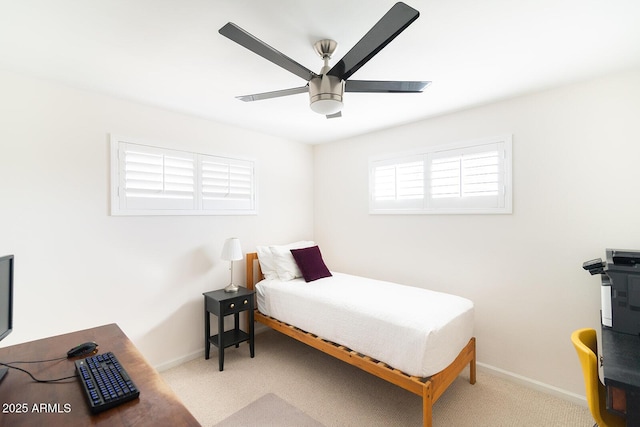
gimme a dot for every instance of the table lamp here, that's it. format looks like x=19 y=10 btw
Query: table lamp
x=231 y=251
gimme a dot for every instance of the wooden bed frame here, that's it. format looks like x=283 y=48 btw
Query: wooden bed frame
x=430 y=389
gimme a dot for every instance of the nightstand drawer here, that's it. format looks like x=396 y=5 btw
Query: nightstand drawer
x=235 y=305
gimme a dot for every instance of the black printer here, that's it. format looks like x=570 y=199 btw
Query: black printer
x=621 y=286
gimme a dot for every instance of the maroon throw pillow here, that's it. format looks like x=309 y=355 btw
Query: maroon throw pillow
x=310 y=263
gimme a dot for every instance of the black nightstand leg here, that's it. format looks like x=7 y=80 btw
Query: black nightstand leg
x=250 y=326
x=207 y=331
x=236 y=325
x=220 y=342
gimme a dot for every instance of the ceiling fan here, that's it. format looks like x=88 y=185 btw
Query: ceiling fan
x=326 y=89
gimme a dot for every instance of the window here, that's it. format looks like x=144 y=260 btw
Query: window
x=399 y=183
x=148 y=180
x=226 y=182
x=471 y=177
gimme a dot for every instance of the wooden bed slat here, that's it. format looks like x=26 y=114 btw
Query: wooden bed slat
x=430 y=389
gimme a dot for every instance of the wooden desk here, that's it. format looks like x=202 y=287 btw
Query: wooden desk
x=621 y=369
x=27 y=403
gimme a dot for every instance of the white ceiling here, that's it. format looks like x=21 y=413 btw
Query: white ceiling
x=168 y=53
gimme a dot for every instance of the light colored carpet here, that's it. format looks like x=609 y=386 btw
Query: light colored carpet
x=269 y=411
x=337 y=394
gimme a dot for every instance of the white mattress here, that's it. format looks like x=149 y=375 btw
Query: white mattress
x=415 y=330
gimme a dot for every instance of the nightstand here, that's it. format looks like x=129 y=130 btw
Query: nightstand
x=221 y=304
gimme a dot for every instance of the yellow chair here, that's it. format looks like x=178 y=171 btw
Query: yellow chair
x=586 y=343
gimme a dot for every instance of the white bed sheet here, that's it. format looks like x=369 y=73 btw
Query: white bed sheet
x=415 y=330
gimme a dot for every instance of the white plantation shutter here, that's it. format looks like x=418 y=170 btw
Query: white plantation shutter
x=472 y=177
x=227 y=183
x=398 y=183
x=466 y=175
x=445 y=177
x=481 y=174
x=154 y=178
x=148 y=180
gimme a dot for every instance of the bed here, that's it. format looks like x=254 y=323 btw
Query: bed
x=422 y=363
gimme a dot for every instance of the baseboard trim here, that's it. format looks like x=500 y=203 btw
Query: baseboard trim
x=533 y=384
x=198 y=353
x=180 y=360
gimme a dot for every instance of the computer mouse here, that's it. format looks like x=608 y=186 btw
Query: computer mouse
x=82 y=349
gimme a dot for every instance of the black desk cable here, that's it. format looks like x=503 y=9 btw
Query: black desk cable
x=56 y=380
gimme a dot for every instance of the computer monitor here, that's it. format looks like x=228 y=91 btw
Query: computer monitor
x=6 y=300
x=6 y=295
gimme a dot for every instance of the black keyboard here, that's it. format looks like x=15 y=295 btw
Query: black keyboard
x=105 y=382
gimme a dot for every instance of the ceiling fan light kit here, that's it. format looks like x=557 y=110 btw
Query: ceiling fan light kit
x=326 y=89
x=325 y=94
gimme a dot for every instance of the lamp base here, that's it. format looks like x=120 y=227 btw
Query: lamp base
x=231 y=288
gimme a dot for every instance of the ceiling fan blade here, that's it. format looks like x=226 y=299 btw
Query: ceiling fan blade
x=377 y=86
x=334 y=115
x=274 y=94
x=243 y=38
x=396 y=20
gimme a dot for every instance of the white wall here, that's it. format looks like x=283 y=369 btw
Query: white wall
x=575 y=172
x=575 y=162
x=77 y=266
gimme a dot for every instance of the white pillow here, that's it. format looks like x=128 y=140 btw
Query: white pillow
x=277 y=258
x=286 y=266
x=267 y=262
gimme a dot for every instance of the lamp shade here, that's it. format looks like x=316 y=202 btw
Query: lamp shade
x=232 y=251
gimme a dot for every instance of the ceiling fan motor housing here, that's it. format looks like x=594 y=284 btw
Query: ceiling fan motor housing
x=325 y=94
